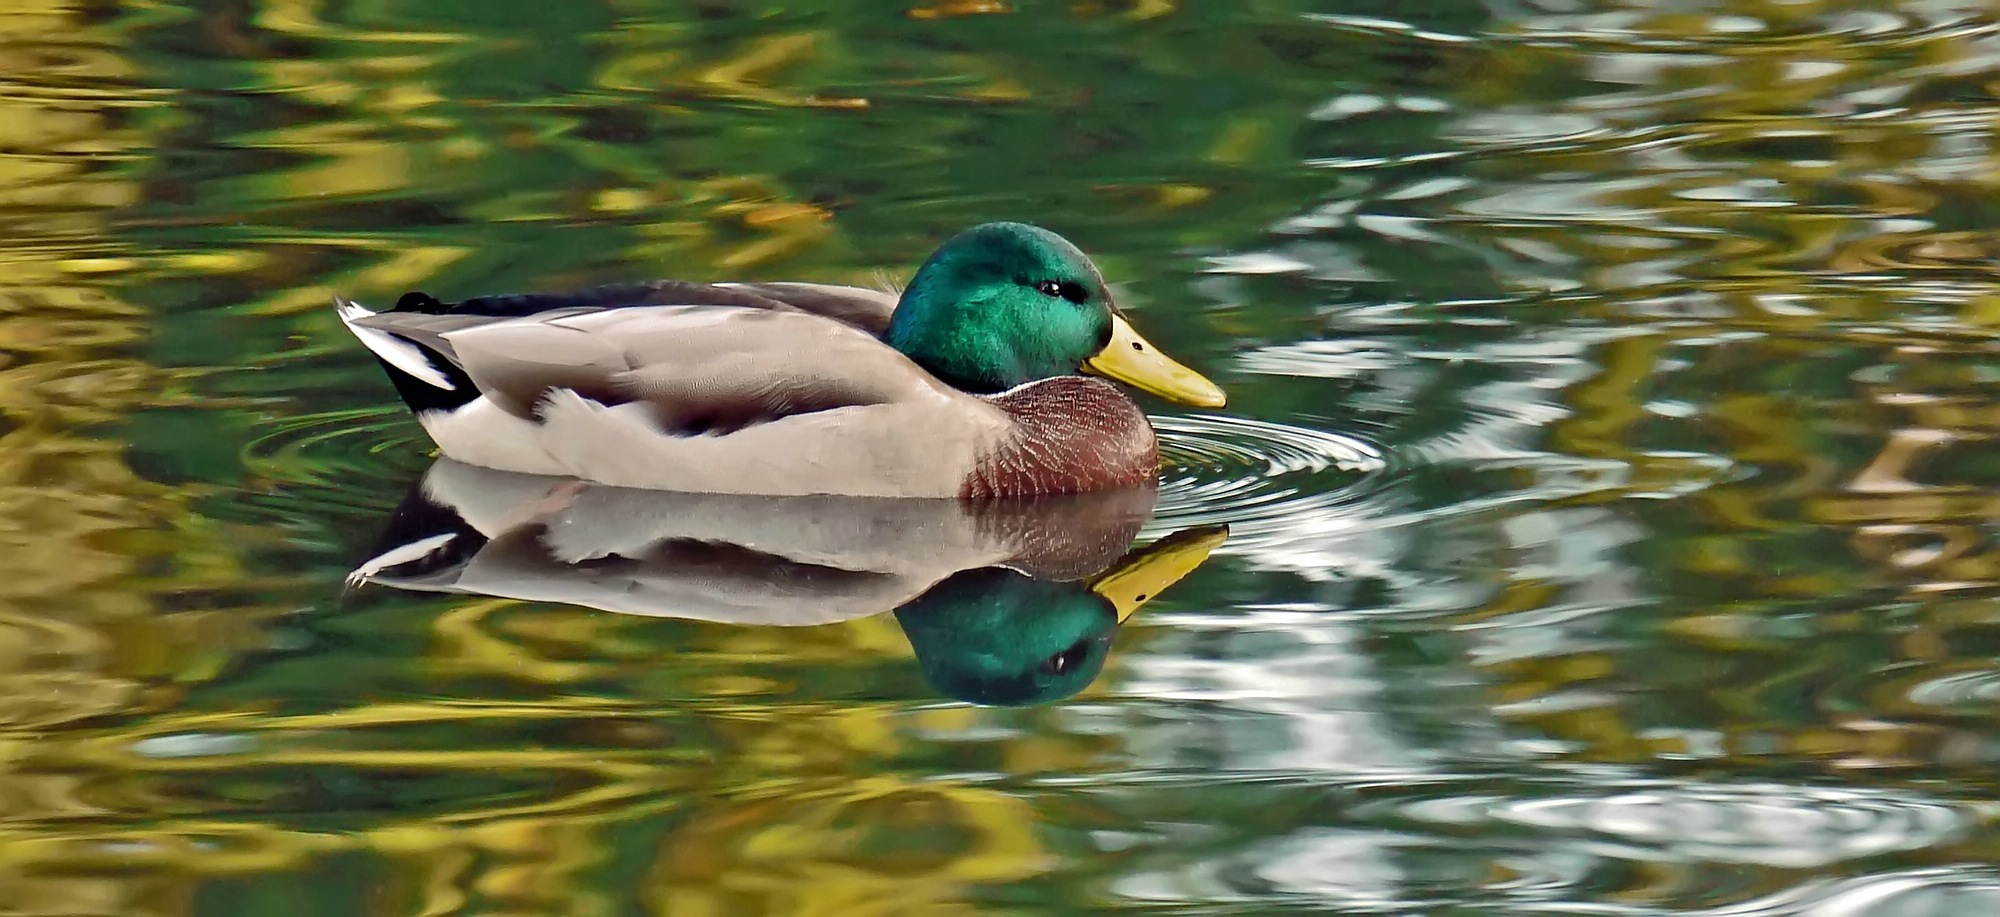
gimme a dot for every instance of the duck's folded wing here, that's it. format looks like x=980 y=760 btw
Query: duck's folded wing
x=430 y=330
x=699 y=369
x=866 y=309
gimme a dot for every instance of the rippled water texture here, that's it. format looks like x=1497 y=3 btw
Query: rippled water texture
x=1608 y=464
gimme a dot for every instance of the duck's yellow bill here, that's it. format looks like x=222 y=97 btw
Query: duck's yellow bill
x=1134 y=361
x=1147 y=572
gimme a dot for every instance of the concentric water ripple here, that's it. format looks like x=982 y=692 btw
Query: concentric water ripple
x=1974 y=689
x=1943 y=892
x=336 y=447
x=1930 y=253
x=1764 y=824
x=1712 y=847
x=1261 y=478
x=359 y=458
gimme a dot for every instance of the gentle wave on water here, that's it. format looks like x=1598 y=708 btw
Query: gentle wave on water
x=327 y=466
x=1766 y=824
x=1384 y=848
x=1260 y=477
x=348 y=448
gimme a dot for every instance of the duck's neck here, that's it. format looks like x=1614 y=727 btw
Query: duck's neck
x=946 y=338
x=1070 y=434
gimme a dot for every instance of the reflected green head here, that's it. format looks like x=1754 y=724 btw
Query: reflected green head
x=996 y=636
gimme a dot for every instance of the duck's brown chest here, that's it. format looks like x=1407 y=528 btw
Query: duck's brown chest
x=1070 y=434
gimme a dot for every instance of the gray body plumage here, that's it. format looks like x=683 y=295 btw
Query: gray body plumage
x=762 y=388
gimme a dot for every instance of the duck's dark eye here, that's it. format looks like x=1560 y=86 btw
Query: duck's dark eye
x=1065 y=289
x=1067 y=659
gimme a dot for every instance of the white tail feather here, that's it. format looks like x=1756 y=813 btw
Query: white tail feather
x=397 y=556
x=397 y=352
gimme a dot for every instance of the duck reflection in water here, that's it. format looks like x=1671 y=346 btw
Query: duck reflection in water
x=1005 y=602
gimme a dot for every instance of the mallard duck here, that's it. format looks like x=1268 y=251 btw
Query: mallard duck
x=967 y=385
x=1004 y=601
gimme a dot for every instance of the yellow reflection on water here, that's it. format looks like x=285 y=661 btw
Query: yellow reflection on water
x=1740 y=196
x=105 y=578
x=802 y=853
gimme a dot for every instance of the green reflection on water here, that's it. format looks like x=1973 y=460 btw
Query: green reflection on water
x=1655 y=573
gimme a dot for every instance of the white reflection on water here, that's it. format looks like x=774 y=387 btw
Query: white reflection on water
x=1265 y=690
x=1955 y=891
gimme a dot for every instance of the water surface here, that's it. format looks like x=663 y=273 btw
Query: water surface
x=1608 y=466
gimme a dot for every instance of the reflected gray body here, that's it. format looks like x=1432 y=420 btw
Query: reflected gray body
x=784 y=561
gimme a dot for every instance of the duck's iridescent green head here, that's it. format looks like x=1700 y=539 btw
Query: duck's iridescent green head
x=1003 y=304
